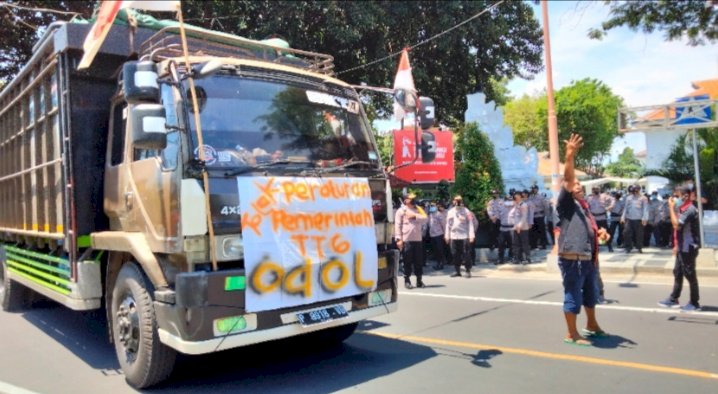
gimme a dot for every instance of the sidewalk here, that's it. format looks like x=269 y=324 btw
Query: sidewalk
x=651 y=261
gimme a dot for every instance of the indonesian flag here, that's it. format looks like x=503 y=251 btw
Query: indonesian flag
x=403 y=80
x=106 y=15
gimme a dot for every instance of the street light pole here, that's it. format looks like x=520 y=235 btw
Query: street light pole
x=699 y=195
x=552 y=123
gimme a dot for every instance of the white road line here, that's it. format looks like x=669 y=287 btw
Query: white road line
x=668 y=283
x=7 y=388
x=670 y=311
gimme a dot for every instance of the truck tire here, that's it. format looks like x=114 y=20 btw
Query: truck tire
x=144 y=359
x=13 y=296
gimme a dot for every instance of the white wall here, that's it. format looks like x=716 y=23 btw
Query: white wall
x=659 y=145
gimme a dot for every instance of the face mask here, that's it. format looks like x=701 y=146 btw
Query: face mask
x=432 y=209
x=678 y=201
x=412 y=202
x=595 y=193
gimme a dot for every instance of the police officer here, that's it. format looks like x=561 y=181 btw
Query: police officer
x=506 y=229
x=459 y=234
x=518 y=218
x=635 y=217
x=616 y=210
x=437 y=225
x=538 y=229
x=598 y=204
x=408 y=222
x=493 y=210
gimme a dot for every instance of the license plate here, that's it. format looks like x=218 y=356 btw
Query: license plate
x=321 y=315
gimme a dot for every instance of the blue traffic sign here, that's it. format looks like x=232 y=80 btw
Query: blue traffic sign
x=693 y=114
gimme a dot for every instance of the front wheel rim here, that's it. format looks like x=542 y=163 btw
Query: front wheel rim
x=128 y=327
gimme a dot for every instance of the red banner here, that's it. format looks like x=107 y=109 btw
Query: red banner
x=441 y=168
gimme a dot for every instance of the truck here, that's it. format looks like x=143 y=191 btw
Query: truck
x=277 y=224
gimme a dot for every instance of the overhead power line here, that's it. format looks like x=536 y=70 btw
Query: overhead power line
x=435 y=36
x=19 y=7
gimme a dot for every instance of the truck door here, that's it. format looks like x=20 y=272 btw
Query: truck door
x=116 y=186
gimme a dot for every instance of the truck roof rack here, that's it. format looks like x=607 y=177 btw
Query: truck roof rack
x=166 y=43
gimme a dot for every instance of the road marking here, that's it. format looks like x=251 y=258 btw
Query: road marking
x=616 y=281
x=555 y=356
x=670 y=311
x=8 y=388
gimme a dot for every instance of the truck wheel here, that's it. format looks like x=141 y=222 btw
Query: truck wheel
x=143 y=358
x=14 y=296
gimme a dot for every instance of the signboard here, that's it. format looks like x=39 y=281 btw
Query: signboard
x=688 y=112
x=441 y=168
x=306 y=240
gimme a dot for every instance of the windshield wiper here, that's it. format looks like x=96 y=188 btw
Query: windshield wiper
x=266 y=165
x=342 y=166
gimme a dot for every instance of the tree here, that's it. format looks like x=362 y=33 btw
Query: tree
x=696 y=20
x=502 y=44
x=627 y=166
x=22 y=26
x=590 y=108
x=523 y=117
x=479 y=172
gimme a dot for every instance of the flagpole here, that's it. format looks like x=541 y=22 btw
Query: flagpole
x=200 y=142
x=552 y=122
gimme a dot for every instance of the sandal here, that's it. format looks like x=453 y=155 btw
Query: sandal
x=594 y=334
x=578 y=342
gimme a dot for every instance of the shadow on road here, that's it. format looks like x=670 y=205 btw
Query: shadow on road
x=82 y=333
x=613 y=342
x=290 y=366
x=481 y=359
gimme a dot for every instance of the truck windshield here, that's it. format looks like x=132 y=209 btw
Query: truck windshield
x=247 y=122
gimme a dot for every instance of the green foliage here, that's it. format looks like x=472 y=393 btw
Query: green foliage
x=21 y=28
x=693 y=19
x=627 y=166
x=504 y=43
x=587 y=107
x=523 y=117
x=479 y=172
x=386 y=148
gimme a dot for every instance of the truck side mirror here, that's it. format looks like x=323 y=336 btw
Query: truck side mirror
x=148 y=130
x=426 y=112
x=139 y=81
x=428 y=147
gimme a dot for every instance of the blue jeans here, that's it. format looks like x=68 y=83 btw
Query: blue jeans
x=579 y=284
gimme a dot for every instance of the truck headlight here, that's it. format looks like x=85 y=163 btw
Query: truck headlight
x=229 y=247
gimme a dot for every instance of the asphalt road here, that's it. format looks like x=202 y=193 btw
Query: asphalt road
x=501 y=333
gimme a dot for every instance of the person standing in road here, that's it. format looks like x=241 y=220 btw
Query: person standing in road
x=493 y=209
x=653 y=220
x=598 y=204
x=635 y=217
x=577 y=251
x=408 y=222
x=538 y=229
x=506 y=230
x=459 y=234
x=616 y=210
x=664 y=223
x=518 y=218
x=687 y=236
x=437 y=224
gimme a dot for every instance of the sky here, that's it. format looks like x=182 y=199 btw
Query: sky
x=644 y=69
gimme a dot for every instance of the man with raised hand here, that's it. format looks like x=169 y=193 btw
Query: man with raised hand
x=577 y=251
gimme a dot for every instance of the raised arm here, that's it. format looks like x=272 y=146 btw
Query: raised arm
x=573 y=145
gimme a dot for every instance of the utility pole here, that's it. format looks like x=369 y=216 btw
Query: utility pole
x=552 y=124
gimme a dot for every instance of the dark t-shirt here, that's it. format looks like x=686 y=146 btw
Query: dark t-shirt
x=688 y=228
x=576 y=232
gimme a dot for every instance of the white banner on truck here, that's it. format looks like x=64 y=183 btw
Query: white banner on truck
x=306 y=240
